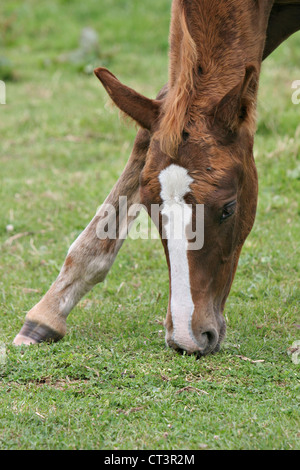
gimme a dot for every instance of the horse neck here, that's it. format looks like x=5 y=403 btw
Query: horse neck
x=211 y=43
x=217 y=39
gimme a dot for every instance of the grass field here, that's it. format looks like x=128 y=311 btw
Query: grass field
x=111 y=383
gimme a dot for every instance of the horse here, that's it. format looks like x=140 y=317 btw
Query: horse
x=194 y=147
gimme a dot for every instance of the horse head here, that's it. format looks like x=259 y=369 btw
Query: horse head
x=200 y=155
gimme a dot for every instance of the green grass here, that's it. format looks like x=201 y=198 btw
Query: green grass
x=111 y=383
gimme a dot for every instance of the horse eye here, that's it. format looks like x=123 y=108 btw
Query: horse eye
x=185 y=135
x=228 y=210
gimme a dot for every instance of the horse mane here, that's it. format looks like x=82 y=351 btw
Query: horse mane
x=183 y=60
x=222 y=35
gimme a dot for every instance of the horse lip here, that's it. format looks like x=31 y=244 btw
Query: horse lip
x=208 y=342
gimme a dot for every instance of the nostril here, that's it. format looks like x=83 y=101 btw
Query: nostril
x=208 y=340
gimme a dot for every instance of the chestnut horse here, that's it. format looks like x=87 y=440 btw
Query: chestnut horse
x=194 y=148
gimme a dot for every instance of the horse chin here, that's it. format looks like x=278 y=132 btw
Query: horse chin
x=208 y=342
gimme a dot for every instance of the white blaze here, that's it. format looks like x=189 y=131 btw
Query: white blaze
x=175 y=184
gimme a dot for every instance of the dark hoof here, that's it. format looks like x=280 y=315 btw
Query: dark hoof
x=33 y=333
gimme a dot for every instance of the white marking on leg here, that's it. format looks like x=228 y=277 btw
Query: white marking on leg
x=175 y=184
x=86 y=270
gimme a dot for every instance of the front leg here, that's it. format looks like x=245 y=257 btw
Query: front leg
x=89 y=258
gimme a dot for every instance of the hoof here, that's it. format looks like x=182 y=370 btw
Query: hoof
x=33 y=333
x=21 y=339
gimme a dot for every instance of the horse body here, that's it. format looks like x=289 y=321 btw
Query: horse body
x=194 y=148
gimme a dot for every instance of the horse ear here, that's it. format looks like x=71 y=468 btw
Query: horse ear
x=143 y=110
x=234 y=108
